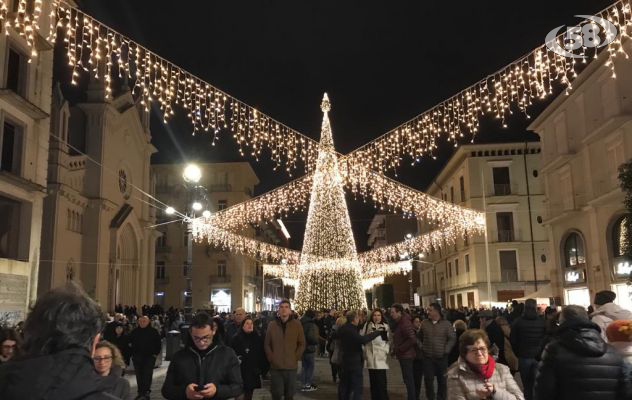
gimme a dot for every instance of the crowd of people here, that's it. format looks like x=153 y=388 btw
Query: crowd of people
x=69 y=349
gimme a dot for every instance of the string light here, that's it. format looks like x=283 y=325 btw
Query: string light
x=102 y=52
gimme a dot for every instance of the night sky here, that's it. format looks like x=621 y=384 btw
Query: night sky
x=381 y=62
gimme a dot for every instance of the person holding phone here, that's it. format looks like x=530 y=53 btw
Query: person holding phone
x=205 y=368
x=376 y=354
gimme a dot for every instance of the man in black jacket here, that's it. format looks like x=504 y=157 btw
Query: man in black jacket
x=146 y=345
x=60 y=335
x=578 y=365
x=527 y=334
x=310 y=329
x=351 y=343
x=206 y=368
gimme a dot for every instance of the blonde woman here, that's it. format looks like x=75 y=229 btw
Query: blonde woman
x=333 y=347
x=108 y=361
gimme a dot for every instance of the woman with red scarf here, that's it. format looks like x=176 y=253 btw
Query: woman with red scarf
x=476 y=375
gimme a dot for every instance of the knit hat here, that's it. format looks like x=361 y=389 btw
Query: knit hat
x=604 y=297
x=619 y=331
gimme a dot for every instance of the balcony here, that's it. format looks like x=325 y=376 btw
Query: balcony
x=508 y=275
x=506 y=236
x=502 y=189
x=218 y=279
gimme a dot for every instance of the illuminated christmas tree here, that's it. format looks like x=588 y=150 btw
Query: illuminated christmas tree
x=329 y=268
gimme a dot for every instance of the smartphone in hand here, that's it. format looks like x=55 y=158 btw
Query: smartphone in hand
x=199 y=388
x=384 y=335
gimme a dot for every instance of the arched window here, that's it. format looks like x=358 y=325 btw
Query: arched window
x=620 y=236
x=574 y=252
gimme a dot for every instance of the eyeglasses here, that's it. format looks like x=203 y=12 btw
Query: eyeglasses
x=202 y=339
x=474 y=350
x=102 y=359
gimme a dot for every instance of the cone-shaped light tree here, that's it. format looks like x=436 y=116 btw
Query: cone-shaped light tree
x=329 y=268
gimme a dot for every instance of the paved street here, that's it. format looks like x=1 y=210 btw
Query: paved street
x=322 y=378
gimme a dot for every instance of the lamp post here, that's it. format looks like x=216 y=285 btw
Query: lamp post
x=195 y=197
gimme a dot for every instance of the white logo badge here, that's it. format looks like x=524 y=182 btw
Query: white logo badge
x=588 y=34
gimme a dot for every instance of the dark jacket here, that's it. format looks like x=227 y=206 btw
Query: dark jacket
x=497 y=337
x=249 y=350
x=351 y=344
x=145 y=342
x=527 y=333
x=454 y=352
x=284 y=343
x=438 y=338
x=404 y=338
x=311 y=334
x=219 y=365
x=577 y=364
x=67 y=375
x=123 y=344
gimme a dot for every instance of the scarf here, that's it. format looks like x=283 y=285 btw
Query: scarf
x=485 y=371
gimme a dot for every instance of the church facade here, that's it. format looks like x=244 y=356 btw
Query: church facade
x=98 y=220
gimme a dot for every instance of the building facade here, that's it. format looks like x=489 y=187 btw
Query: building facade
x=504 y=181
x=24 y=129
x=98 y=219
x=585 y=137
x=387 y=229
x=194 y=275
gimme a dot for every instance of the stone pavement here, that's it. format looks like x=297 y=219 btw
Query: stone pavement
x=322 y=378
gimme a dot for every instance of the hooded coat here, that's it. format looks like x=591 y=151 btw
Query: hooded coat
x=68 y=375
x=577 y=364
x=607 y=313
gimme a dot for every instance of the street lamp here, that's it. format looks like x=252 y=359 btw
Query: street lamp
x=192 y=173
x=196 y=206
x=206 y=214
x=170 y=210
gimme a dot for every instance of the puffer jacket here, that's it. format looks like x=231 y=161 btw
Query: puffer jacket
x=438 y=338
x=67 y=375
x=463 y=383
x=607 y=313
x=577 y=364
x=376 y=351
x=404 y=339
x=527 y=333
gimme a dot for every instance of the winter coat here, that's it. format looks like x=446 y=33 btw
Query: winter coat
x=454 y=352
x=121 y=387
x=249 y=350
x=497 y=337
x=438 y=338
x=463 y=382
x=311 y=334
x=404 y=338
x=376 y=351
x=284 y=343
x=577 y=364
x=607 y=313
x=419 y=347
x=145 y=342
x=122 y=342
x=219 y=365
x=527 y=333
x=510 y=356
x=67 y=375
x=351 y=345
